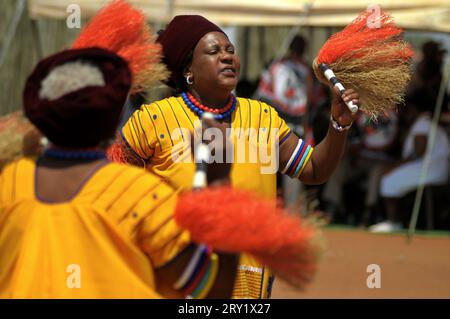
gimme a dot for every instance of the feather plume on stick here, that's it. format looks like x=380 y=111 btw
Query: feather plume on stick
x=120 y=28
x=232 y=220
x=370 y=57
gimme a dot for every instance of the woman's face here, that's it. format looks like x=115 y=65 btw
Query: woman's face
x=215 y=64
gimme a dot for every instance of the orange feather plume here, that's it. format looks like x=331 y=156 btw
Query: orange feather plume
x=369 y=56
x=120 y=152
x=120 y=28
x=236 y=221
x=362 y=34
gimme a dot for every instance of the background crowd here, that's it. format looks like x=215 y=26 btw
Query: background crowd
x=376 y=181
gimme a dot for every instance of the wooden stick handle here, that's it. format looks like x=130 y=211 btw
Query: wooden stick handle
x=329 y=74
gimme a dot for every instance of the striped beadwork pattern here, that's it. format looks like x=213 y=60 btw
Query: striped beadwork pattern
x=298 y=159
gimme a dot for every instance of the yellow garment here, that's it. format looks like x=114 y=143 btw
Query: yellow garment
x=156 y=133
x=107 y=239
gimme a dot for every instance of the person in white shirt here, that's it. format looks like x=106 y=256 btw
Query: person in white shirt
x=287 y=84
x=405 y=177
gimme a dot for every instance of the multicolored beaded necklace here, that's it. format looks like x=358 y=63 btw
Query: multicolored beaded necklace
x=199 y=109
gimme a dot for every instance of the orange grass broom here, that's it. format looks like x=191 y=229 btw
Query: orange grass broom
x=122 y=29
x=18 y=137
x=369 y=56
x=236 y=221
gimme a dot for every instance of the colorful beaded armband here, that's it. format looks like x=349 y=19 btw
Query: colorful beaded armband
x=298 y=160
x=200 y=274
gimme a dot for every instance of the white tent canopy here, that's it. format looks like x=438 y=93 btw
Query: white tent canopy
x=428 y=15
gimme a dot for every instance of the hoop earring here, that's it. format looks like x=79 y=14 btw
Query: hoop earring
x=189 y=80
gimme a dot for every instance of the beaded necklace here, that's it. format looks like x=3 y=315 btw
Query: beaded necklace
x=199 y=109
x=75 y=154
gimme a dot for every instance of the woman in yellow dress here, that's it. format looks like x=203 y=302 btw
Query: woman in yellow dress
x=205 y=70
x=73 y=224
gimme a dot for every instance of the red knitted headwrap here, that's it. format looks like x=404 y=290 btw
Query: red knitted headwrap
x=178 y=39
x=84 y=117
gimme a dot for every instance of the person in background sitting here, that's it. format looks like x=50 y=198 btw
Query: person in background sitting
x=404 y=177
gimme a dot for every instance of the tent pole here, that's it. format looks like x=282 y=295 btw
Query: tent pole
x=245 y=51
x=293 y=32
x=170 y=8
x=262 y=44
x=37 y=39
x=427 y=157
x=20 y=7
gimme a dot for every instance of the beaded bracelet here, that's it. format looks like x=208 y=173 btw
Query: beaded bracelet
x=208 y=280
x=190 y=268
x=338 y=127
x=298 y=160
x=197 y=279
x=199 y=276
x=199 y=271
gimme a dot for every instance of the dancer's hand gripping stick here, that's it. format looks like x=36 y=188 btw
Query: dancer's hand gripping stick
x=329 y=74
x=201 y=156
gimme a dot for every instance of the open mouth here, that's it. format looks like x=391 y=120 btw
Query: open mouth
x=228 y=71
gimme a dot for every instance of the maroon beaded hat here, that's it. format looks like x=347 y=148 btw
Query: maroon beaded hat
x=75 y=97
